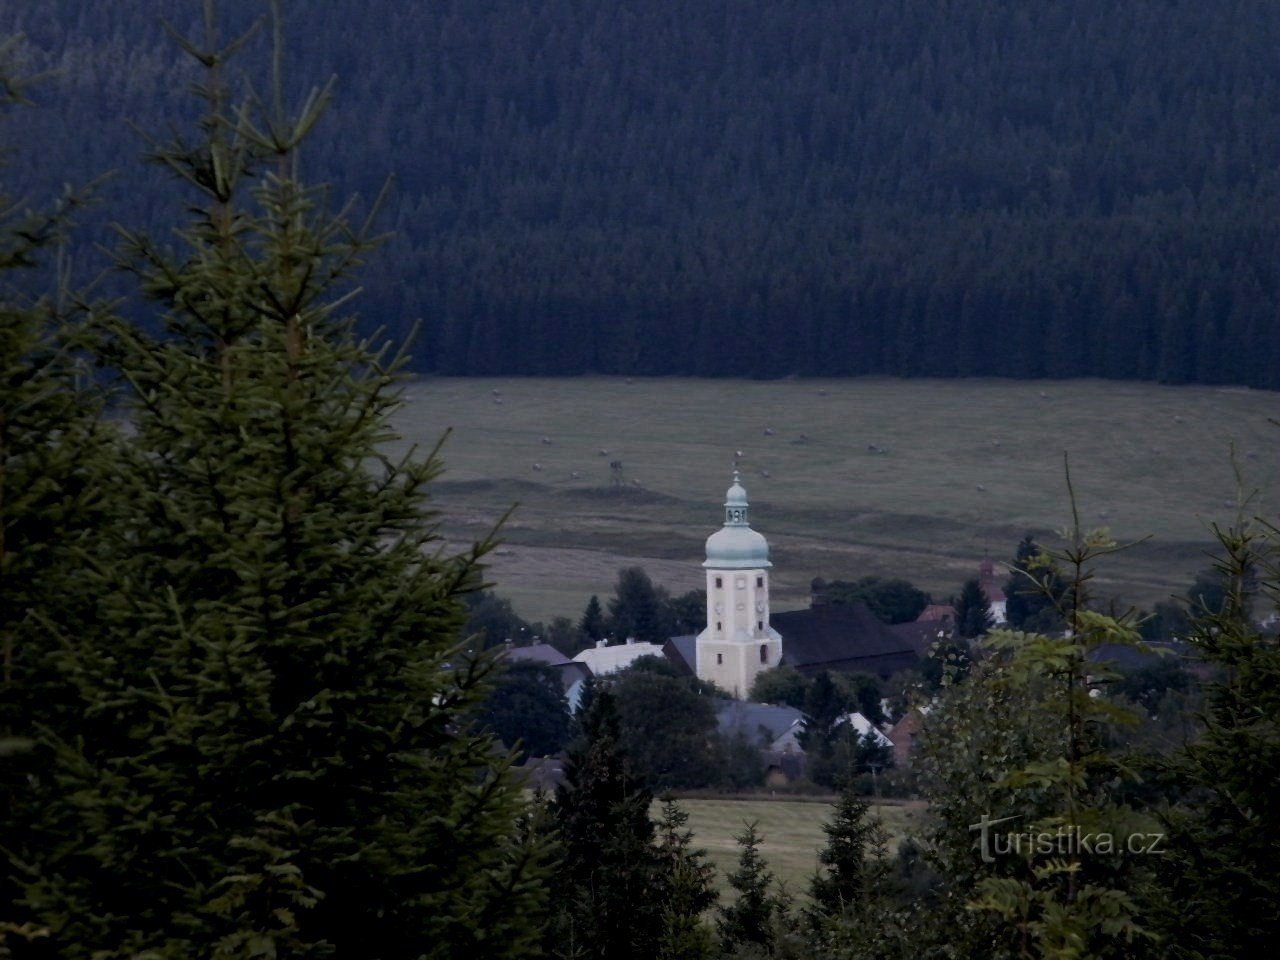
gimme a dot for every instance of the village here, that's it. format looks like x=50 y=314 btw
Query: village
x=757 y=667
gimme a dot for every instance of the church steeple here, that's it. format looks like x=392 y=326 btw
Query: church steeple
x=738 y=641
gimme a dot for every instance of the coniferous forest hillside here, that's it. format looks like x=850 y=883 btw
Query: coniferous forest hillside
x=1027 y=188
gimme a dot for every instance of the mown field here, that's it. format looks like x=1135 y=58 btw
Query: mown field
x=792 y=832
x=914 y=478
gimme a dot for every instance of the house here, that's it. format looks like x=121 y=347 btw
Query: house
x=844 y=637
x=865 y=728
x=942 y=613
x=763 y=724
x=774 y=728
x=905 y=735
x=604 y=659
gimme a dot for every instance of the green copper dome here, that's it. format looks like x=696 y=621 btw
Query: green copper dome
x=735 y=546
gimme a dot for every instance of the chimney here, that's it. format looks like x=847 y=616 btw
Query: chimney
x=818 y=592
x=602 y=642
x=631 y=641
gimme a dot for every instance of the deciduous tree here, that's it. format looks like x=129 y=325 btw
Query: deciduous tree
x=667 y=729
x=527 y=707
x=782 y=684
x=892 y=600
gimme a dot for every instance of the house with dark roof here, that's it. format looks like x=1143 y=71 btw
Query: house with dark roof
x=846 y=638
x=760 y=723
x=773 y=728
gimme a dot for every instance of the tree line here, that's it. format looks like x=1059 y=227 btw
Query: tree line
x=723 y=188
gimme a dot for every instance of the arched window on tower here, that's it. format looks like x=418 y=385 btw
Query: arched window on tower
x=764 y=653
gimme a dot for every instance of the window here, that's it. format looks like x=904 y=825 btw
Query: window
x=764 y=653
x=718 y=627
x=719 y=583
x=719 y=658
x=759 y=624
x=759 y=583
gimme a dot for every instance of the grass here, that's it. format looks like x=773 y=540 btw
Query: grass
x=912 y=478
x=792 y=832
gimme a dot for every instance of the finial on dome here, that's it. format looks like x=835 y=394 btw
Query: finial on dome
x=735 y=546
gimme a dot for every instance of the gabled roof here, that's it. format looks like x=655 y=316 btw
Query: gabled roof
x=538 y=653
x=683 y=652
x=937 y=611
x=865 y=727
x=605 y=660
x=571 y=673
x=920 y=635
x=755 y=721
x=841 y=637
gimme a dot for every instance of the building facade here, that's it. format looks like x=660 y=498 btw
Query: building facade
x=738 y=642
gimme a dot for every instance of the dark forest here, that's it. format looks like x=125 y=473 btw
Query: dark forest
x=1021 y=188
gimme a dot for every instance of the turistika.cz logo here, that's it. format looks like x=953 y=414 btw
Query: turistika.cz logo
x=1068 y=840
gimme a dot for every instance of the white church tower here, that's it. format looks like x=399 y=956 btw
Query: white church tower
x=738 y=642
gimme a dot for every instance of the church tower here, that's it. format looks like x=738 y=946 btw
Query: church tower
x=738 y=642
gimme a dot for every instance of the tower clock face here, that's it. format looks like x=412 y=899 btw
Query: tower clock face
x=719 y=608
x=760 y=605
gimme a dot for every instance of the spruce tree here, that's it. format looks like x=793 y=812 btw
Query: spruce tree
x=972 y=611
x=1219 y=885
x=610 y=872
x=1033 y=590
x=54 y=451
x=278 y=758
x=689 y=890
x=592 y=624
x=639 y=608
x=826 y=703
x=853 y=863
x=853 y=912
x=749 y=919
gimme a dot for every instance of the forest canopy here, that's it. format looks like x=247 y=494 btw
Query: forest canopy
x=1019 y=188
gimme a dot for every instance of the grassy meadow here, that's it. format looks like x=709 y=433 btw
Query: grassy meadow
x=914 y=478
x=792 y=832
